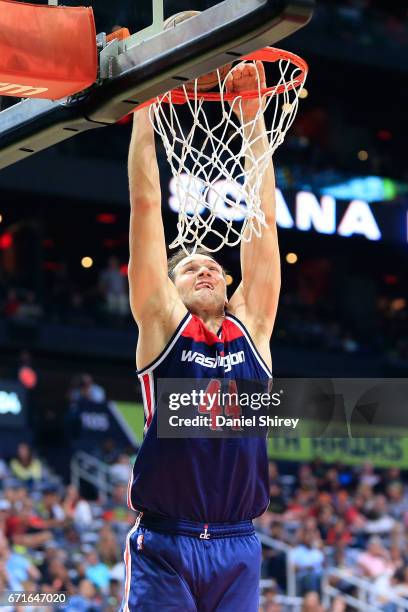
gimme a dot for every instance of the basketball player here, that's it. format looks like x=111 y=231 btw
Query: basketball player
x=193 y=547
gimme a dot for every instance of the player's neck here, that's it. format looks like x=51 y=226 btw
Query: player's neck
x=212 y=321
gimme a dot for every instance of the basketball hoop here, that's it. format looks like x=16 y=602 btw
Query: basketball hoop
x=213 y=188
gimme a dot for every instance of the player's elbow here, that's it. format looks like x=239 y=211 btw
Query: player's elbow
x=142 y=201
x=270 y=219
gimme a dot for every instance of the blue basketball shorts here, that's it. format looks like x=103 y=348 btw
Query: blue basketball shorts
x=191 y=567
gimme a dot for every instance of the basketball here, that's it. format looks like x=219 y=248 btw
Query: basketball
x=207 y=81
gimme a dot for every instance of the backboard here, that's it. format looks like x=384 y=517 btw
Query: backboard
x=147 y=64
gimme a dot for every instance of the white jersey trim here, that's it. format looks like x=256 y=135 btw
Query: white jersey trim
x=181 y=327
x=148 y=408
x=251 y=344
x=128 y=565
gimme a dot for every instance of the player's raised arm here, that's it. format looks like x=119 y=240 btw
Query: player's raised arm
x=256 y=298
x=148 y=280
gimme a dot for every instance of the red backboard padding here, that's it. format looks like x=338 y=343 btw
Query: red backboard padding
x=46 y=51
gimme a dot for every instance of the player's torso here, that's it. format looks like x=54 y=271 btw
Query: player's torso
x=201 y=479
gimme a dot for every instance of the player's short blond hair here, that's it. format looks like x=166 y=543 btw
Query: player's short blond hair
x=180 y=254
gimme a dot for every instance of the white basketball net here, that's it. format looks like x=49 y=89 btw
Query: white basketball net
x=217 y=176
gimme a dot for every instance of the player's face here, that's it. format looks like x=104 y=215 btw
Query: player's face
x=200 y=283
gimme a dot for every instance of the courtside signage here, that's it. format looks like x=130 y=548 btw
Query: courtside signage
x=382 y=452
x=12 y=404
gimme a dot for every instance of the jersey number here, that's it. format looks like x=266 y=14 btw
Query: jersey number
x=211 y=406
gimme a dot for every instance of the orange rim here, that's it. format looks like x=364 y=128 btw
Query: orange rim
x=268 y=54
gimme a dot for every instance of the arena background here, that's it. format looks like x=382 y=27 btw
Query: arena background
x=68 y=387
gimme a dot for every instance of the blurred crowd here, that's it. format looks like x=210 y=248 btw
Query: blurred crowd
x=66 y=300
x=322 y=325
x=349 y=518
x=53 y=540
x=360 y=9
x=307 y=317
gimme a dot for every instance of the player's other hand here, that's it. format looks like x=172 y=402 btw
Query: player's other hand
x=246 y=77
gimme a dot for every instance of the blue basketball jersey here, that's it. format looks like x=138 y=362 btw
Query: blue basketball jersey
x=214 y=480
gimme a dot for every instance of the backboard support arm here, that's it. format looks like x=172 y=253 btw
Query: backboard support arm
x=154 y=28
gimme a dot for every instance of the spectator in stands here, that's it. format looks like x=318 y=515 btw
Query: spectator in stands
x=339 y=561
x=51 y=510
x=85 y=386
x=368 y=476
x=29 y=310
x=15 y=492
x=51 y=553
x=108 y=547
x=307 y=559
x=113 y=286
x=21 y=495
x=375 y=563
x=397 y=558
x=26 y=528
x=307 y=479
x=97 y=571
x=338 y=534
x=16 y=567
x=269 y=593
x=76 y=509
x=339 y=605
x=393 y=476
x=379 y=520
x=72 y=543
x=331 y=482
x=109 y=452
x=114 y=507
x=86 y=600
x=398 y=499
x=311 y=602
x=271 y=606
x=121 y=470
x=25 y=466
x=59 y=577
x=400 y=582
x=318 y=470
x=299 y=506
x=350 y=509
x=326 y=520
x=274 y=560
x=274 y=476
x=114 y=596
x=117 y=573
